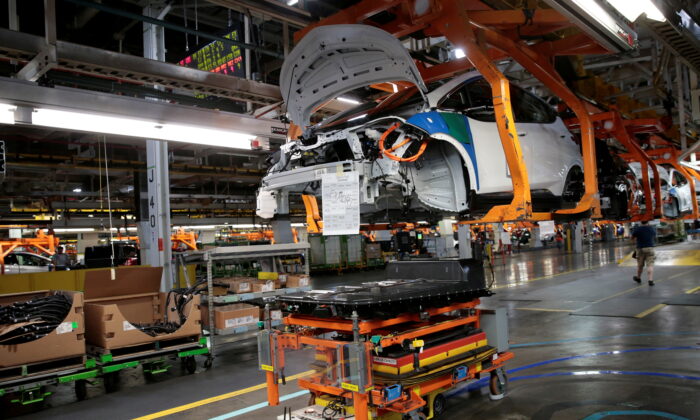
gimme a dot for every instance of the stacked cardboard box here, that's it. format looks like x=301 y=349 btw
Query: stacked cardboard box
x=298 y=280
x=66 y=341
x=113 y=306
x=233 y=315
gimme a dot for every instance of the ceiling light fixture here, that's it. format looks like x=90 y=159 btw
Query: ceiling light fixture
x=292 y=2
x=96 y=123
x=459 y=53
x=77 y=190
x=633 y=9
x=7 y=114
x=358 y=117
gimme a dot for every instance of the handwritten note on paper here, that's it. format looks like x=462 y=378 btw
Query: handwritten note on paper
x=340 y=197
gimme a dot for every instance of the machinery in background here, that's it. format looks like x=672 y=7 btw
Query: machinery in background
x=390 y=349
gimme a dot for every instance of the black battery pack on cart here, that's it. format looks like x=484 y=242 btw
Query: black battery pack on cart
x=410 y=286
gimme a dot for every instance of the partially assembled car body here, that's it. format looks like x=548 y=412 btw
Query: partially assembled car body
x=676 y=194
x=462 y=170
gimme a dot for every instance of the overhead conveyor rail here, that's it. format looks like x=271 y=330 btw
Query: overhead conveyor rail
x=486 y=35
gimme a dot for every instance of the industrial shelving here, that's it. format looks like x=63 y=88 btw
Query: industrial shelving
x=237 y=254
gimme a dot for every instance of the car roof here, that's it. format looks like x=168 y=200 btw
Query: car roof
x=29 y=253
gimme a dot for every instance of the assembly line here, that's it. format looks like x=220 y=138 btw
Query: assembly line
x=350 y=209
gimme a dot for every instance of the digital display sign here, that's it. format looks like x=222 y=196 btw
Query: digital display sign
x=216 y=57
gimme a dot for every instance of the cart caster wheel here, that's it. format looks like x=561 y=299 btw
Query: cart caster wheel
x=497 y=387
x=111 y=381
x=81 y=389
x=208 y=363
x=439 y=405
x=190 y=364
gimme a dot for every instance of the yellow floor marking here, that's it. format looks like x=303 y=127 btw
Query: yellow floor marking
x=216 y=398
x=642 y=285
x=650 y=310
x=544 y=309
x=691 y=291
x=626 y=258
x=669 y=257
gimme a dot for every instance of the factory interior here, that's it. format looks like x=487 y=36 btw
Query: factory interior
x=350 y=209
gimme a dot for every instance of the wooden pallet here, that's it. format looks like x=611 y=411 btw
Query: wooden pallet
x=155 y=347
x=41 y=368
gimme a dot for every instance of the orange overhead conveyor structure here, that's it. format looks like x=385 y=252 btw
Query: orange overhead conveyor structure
x=668 y=154
x=486 y=35
x=611 y=124
x=43 y=243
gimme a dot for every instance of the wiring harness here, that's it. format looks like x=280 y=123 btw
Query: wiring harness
x=22 y=322
x=179 y=298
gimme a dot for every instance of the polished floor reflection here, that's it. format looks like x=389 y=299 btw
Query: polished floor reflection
x=589 y=343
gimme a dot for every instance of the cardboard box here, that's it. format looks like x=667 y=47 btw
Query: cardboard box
x=67 y=340
x=275 y=314
x=234 y=315
x=113 y=306
x=237 y=284
x=373 y=251
x=264 y=286
x=298 y=280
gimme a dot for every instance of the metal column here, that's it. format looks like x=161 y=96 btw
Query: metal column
x=681 y=103
x=157 y=227
x=12 y=15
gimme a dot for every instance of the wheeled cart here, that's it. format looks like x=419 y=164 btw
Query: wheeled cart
x=32 y=387
x=391 y=349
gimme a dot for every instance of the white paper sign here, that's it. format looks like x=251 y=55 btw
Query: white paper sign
x=128 y=327
x=341 y=203
x=546 y=228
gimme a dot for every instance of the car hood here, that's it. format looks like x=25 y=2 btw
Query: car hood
x=334 y=59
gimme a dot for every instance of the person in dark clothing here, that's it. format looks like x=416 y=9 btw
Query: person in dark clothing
x=61 y=261
x=645 y=237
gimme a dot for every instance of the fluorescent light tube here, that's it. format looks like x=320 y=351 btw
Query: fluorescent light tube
x=95 y=123
x=292 y=2
x=358 y=117
x=633 y=9
x=348 y=100
x=7 y=114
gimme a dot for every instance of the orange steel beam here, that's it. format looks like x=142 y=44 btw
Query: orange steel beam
x=453 y=23
x=673 y=160
x=43 y=243
x=312 y=213
x=354 y=14
x=428 y=329
x=273 y=394
x=335 y=324
x=541 y=68
x=571 y=45
x=611 y=123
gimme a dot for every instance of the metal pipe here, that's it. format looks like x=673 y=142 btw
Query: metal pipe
x=174 y=27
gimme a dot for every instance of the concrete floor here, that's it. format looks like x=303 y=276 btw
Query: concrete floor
x=586 y=338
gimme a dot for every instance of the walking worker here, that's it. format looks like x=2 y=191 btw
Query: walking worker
x=645 y=236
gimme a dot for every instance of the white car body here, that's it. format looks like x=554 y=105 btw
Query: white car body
x=26 y=262
x=675 y=189
x=680 y=189
x=457 y=117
